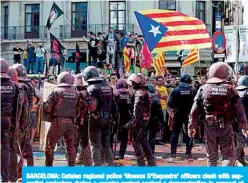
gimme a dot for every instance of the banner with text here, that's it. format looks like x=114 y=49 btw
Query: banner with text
x=243 y=36
x=135 y=174
x=231 y=43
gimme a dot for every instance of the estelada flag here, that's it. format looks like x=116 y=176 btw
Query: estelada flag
x=77 y=57
x=159 y=64
x=166 y=30
x=192 y=57
x=56 y=50
x=127 y=63
x=55 y=13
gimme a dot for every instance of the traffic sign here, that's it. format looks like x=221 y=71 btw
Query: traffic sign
x=222 y=55
x=219 y=42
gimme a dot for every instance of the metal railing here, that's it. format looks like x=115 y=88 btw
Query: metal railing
x=63 y=31
x=23 y=32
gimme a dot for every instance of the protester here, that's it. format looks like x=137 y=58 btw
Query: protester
x=111 y=44
x=17 y=53
x=40 y=51
x=163 y=94
x=30 y=58
x=37 y=100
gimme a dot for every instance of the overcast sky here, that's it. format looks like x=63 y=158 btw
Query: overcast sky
x=245 y=3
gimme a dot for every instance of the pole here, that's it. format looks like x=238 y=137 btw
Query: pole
x=199 y=61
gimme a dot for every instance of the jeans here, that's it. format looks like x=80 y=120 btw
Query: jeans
x=26 y=63
x=33 y=118
x=30 y=63
x=39 y=65
x=94 y=62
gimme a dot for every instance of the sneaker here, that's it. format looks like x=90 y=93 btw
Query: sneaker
x=121 y=157
x=79 y=162
x=171 y=160
x=189 y=157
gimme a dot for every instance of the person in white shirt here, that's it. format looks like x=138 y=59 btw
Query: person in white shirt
x=39 y=59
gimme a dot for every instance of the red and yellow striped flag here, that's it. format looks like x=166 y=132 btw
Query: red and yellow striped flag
x=127 y=63
x=191 y=58
x=183 y=32
x=159 y=64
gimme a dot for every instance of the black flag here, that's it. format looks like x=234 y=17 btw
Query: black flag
x=56 y=50
x=77 y=59
x=180 y=56
x=55 y=13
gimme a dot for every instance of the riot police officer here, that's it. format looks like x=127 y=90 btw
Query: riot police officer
x=9 y=110
x=25 y=135
x=82 y=123
x=141 y=113
x=242 y=89
x=63 y=107
x=156 y=120
x=123 y=100
x=101 y=106
x=20 y=123
x=182 y=94
x=219 y=101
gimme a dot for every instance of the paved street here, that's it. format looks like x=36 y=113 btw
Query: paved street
x=162 y=151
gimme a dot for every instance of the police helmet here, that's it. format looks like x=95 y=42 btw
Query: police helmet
x=21 y=71
x=91 y=73
x=242 y=83
x=65 y=79
x=4 y=69
x=219 y=72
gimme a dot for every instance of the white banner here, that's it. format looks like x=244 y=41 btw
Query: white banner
x=243 y=34
x=231 y=43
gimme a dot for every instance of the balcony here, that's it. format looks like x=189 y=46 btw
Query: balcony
x=22 y=32
x=62 y=32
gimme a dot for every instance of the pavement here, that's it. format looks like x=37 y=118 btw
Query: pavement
x=162 y=152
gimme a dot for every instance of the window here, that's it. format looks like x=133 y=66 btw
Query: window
x=79 y=19
x=167 y=5
x=6 y=21
x=32 y=20
x=200 y=10
x=117 y=12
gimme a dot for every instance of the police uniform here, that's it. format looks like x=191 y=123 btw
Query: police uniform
x=82 y=132
x=8 y=101
x=100 y=120
x=15 y=145
x=9 y=113
x=123 y=100
x=25 y=135
x=142 y=108
x=156 y=119
x=182 y=94
x=242 y=89
x=220 y=103
x=63 y=107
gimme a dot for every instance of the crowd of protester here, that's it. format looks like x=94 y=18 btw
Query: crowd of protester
x=107 y=49
x=33 y=57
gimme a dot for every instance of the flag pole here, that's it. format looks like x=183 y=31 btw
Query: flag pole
x=199 y=61
x=67 y=18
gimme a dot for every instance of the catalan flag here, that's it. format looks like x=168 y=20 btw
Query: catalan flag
x=159 y=64
x=166 y=30
x=127 y=63
x=191 y=58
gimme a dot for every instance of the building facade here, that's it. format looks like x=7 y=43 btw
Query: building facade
x=26 y=20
